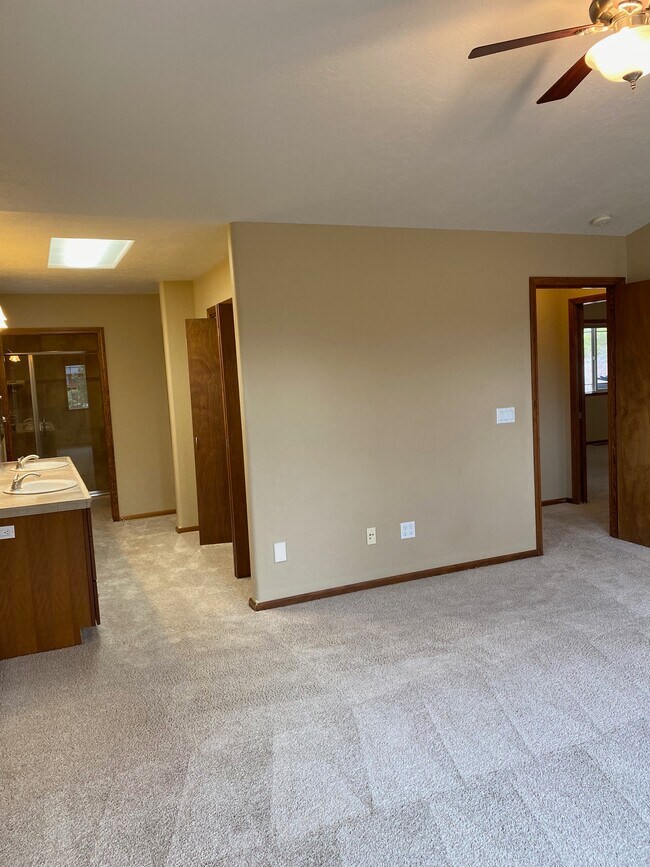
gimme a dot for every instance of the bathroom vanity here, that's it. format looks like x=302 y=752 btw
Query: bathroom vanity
x=48 y=582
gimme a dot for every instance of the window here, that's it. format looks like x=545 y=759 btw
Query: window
x=595 y=347
x=75 y=380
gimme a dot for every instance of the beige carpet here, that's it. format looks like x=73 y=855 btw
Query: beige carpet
x=497 y=717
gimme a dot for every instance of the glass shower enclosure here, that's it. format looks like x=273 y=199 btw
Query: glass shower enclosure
x=56 y=409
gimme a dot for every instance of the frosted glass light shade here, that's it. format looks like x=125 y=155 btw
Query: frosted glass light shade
x=86 y=252
x=626 y=53
x=3 y=319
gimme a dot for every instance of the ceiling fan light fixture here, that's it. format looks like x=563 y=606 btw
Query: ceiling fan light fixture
x=624 y=56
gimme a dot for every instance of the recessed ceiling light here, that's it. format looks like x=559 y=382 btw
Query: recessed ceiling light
x=86 y=252
x=602 y=220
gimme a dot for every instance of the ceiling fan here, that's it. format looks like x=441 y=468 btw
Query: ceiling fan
x=623 y=56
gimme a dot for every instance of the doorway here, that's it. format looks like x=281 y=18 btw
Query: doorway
x=54 y=388
x=581 y=378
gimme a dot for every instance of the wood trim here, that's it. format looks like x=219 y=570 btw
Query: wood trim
x=600 y=284
x=557 y=502
x=148 y=515
x=535 y=283
x=597 y=442
x=187 y=529
x=612 y=410
x=534 y=378
x=385 y=582
x=98 y=331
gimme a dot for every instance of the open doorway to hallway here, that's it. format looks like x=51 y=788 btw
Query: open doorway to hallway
x=573 y=368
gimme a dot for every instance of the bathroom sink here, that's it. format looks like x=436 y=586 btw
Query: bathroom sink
x=39 y=466
x=39 y=486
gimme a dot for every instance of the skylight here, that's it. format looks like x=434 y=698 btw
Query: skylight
x=86 y=252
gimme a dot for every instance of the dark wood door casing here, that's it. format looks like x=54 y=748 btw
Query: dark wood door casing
x=210 y=456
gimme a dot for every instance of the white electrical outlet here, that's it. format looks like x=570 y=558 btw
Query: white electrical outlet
x=8 y=532
x=506 y=415
x=280 y=551
x=407 y=530
x=371 y=535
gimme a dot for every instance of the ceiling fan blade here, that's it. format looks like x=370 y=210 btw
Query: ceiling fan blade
x=495 y=48
x=568 y=83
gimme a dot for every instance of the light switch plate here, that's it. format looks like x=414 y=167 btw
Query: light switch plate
x=280 y=551
x=506 y=415
x=8 y=532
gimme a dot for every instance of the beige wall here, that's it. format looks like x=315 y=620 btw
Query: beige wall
x=212 y=288
x=372 y=363
x=638 y=255
x=136 y=373
x=177 y=305
x=554 y=391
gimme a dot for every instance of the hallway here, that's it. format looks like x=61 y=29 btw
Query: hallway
x=490 y=717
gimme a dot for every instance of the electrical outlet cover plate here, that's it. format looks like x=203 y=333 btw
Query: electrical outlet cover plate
x=8 y=532
x=371 y=535
x=407 y=530
x=506 y=415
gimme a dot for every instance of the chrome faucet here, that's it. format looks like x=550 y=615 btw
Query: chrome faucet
x=19 y=478
x=20 y=463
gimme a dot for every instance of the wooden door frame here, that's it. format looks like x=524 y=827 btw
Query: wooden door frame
x=609 y=284
x=98 y=332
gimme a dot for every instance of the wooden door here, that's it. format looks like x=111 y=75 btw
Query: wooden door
x=210 y=458
x=234 y=439
x=632 y=412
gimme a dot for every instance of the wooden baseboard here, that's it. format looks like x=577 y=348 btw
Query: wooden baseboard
x=385 y=582
x=557 y=502
x=187 y=529
x=148 y=515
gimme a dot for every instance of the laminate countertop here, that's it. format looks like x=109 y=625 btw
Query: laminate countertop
x=17 y=505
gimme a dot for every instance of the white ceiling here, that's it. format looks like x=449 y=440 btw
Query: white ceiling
x=331 y=111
